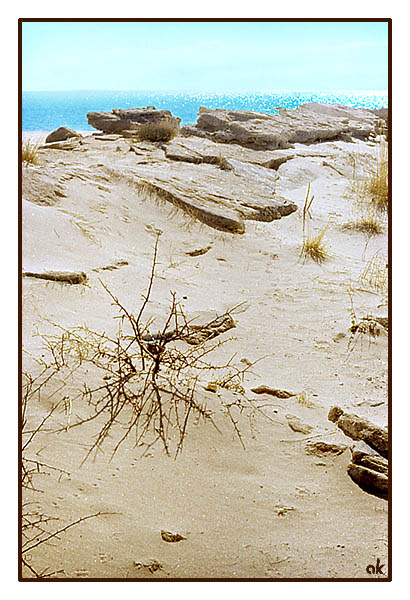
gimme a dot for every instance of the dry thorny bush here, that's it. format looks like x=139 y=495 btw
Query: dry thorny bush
x=149 y=387
x=366 y=326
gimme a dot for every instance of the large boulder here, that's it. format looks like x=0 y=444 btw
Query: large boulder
x=305 y=124
x=130 y=119
x=61 y=134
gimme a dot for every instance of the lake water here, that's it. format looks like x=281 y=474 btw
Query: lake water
x=45 y=111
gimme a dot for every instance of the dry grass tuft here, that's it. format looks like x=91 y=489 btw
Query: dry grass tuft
x=313 y=247
x=377 y=184
x=157 y=132
x=375 y=274
x=368 y=222
x=372 y=189
x=29 y=151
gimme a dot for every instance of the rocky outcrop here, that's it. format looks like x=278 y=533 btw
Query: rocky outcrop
x=369 y=470
x=199 y=150
x=306 y=124
x=369 y=467
x=130 y=119
x=219 y=197
x=61 y=134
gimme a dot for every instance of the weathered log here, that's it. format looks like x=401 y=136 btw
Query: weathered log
x=359 y=428
x=194 y=334
x=265 y=389
x=61 y=276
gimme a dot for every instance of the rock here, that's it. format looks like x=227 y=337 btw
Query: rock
x=370 y=481
x=198 y=251
x=359 y=428
x=129 y=119
x=366 y=457
x=211 y=387
x=170 y=537
x=150 y=564
x=322 y=448
x=264 y=389
x=297 y=425
x=306 y=124
x=61 y=134
x=281 y=511
x=222 y=199
x=69 y=144
x=198 y=150
x=383 y=113
x=383 y=321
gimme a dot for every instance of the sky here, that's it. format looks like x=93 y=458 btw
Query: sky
x=205 y=56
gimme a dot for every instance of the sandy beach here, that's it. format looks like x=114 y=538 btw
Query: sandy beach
x=249 y=494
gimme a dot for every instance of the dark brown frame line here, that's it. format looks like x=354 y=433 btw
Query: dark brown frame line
x=388 y=578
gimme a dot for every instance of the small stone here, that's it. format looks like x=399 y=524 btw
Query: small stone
x=322 y=448
x=151 y=564
x=211 y=387
x=296 y=425
x=168 y=536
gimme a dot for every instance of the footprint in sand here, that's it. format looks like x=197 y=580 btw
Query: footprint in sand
x=81 y=573
x=103 y=557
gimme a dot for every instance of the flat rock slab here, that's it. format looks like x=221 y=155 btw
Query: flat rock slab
x=198 y=150
x=220 y=198
x=306 y=124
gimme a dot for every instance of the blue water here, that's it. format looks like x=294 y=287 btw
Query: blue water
x=45 y=111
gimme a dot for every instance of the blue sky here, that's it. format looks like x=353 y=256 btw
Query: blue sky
x=205 y=56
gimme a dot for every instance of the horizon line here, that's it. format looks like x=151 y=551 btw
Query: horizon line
x=196 y=91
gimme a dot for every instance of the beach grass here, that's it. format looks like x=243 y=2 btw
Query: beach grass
x=29 y=151
x=157 y=132
x=313 y=247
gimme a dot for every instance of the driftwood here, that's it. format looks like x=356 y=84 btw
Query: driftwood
x=265 y=389
x=194 y=334
x=61 y=276
x=359 y=428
